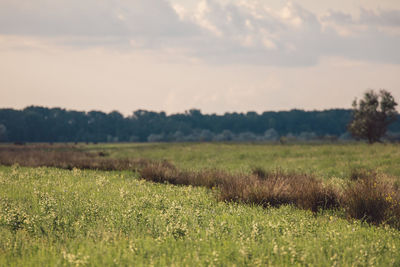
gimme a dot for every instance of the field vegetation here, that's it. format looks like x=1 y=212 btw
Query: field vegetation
x=234 y=204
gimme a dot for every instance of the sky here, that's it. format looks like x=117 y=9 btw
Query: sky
x=214 y=55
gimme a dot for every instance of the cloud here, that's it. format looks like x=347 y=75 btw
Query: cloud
x=251 y=32
x=371 y=36
x=92 y=19
x=234 y=32
x=380 y=18
x=367 y=17
x=248 y=32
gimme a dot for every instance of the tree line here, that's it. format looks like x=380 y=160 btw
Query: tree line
x=41 y=124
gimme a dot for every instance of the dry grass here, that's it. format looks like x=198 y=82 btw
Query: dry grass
x=277 y=188
x=65 y=157
x=372 y=198
x=164 y=171
x=266 y=189
x=361 y=173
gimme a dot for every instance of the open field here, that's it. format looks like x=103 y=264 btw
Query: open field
x=325 y=161
x=73 y=217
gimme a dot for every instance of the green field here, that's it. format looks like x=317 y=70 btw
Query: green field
x=326 y=161
x=52 y=217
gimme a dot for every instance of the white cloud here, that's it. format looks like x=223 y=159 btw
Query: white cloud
x=215 y=31
x=148 y=18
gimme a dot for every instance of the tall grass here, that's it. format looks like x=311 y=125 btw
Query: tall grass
x=372 y=198
x=273 y=189
x=278 y=187
x=54 y=217
x=369 y=197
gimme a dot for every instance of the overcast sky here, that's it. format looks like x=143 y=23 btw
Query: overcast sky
x=215 y=55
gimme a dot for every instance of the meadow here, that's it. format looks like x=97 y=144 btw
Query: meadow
x=74 y=217
x=324 y=160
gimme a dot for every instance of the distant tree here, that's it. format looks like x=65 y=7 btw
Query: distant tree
x=246 y=137
x=206 y=136
x=134 y=138
x=271 y=135
x=346 y=137
x=156 y=138
x=3 y=133
x=176 y=137
x=307 y=136
x=226 y=135
x=372 y=115
x=40 y=124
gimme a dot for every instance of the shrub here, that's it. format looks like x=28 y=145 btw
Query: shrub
x=372 y=199
x=277 y=188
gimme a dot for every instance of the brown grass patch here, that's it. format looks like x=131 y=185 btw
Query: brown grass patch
x=372 y=198
x=278 y=187
x=65 y=157
x=269 y=189
x=164 y=171
x=361 y=173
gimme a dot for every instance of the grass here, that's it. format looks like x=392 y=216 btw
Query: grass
x=83 y=217
x=260 y=188
x=376 y=204
x=75 y=218
x=367 y=196
x=326 y=161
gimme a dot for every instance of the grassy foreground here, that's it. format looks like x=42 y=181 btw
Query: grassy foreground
x=52 y=217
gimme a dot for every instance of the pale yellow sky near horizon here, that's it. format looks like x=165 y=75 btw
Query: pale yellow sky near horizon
x=45 y=70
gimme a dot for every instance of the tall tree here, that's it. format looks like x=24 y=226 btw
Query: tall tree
x=372 y=115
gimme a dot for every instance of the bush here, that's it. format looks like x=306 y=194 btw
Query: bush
x=277 y=188
x=372 y=199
